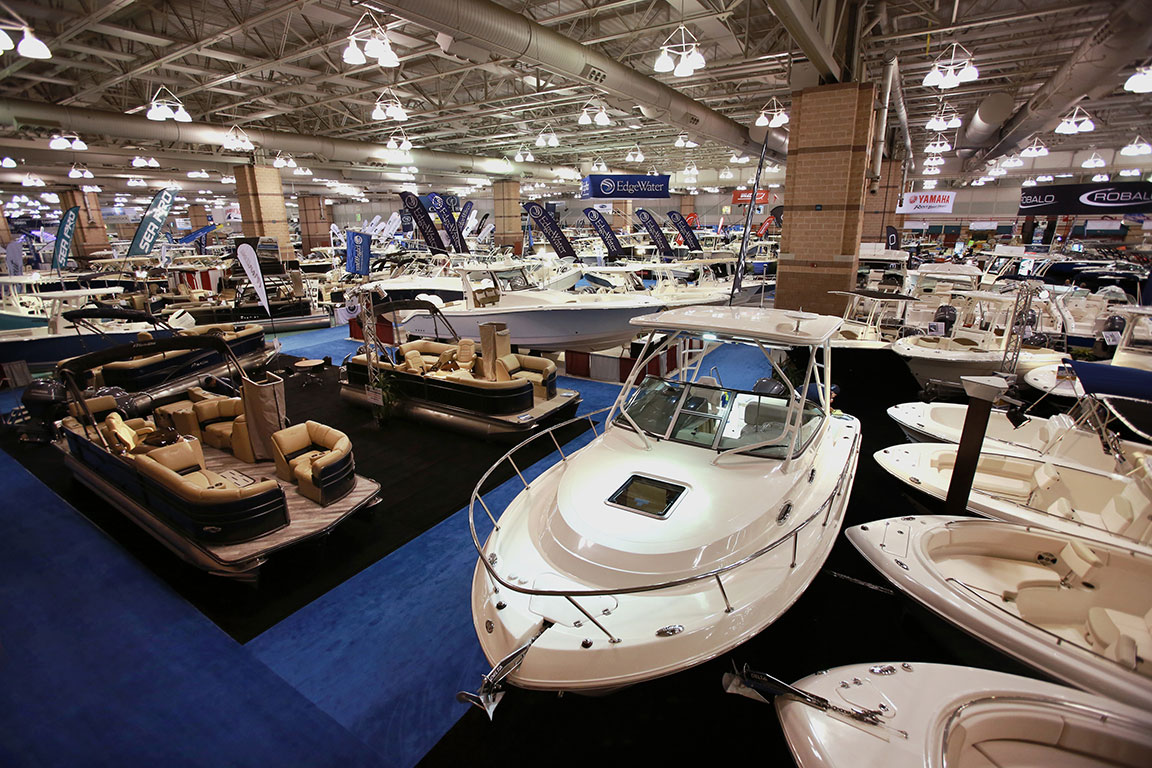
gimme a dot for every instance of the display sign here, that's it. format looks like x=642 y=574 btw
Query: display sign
x=423 y=222
x=442 y=208
x=685 y=231
x=193 y=236
x=624 y=186
x=744 y=196
x=600 y=224
x=359 y=253
x=892 y=238
x=248 y=259
x=693 y=219
x=1118 y=197
x=154 y=218
x=551 y=230
x=927 y=202
x=763 y=228
x=653 y=228
x=63 y=245
x=406 y=222
x=464 y=217
x=980 y=226
x=1102 y=225
x=14 y=256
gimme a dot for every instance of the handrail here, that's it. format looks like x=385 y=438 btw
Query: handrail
x=569 y=594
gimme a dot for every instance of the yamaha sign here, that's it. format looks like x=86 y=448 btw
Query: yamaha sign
x=1122 y=197
x=624 y=187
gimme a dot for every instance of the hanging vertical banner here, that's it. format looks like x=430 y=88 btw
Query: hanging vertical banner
x=685 y=231
x=392 y=225
x=423 y=222
x=551 y=230
x=462 y=218
x=764 y=226
x=442 y=209
x=359 y=252
x=777 y=215
x=486 y=233
x=248 y=259
x=154 y=218
x=14 y=256
x=166 y=256
x=373 y=226
x=64 y=234
x=692 y=219
x=654 y=232
x=196 y=235
x=604 y=229
x=892 y=238
x=470 y=225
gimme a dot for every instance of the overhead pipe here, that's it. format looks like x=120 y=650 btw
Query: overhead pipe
x=91 y=122
x=881 y=133
x=1124 y=37
x=901 y=110
x=983 y=123
x=509 y=34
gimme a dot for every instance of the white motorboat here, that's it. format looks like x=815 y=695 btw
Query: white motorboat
x=1086 y=314
x=1076 y=610
x=1059 y=436
x=904 y=714
x=691 y=523
x=626 y=279
x=1107 y=507
x=872 y=319
x=1134 y=350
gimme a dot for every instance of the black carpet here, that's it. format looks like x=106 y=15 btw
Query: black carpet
x=835 y=622
x=425 y=475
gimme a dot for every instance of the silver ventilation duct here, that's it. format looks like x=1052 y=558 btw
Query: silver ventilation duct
x=983 y=123
x=1126 y=36
x=508 y=34
x=880 y=135
x=91 y=122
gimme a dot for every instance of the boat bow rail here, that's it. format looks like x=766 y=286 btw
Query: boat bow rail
x=490 y=560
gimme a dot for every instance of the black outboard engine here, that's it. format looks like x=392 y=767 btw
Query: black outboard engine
x=947 y=314
x=1027 y=319
x=44 y=399
x=1036 y=340
x=1112 y=324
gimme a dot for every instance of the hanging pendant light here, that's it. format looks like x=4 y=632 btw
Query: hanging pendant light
x=1100 y=177
x=951 y=68
x=59 y=142
x=1028 y=182
x=602 y=117
x=664 y=62
x=1140 y=81
x=353 y=55
x=1035 y=149
x=32 y=47
x=1138 y=146
x=6 y=43
x=585 y=118
x=7 y=162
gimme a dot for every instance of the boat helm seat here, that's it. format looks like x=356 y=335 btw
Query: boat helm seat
x=126 y=435
x=1079 y=560
x=99 y=407
x=186 y=458
x=1123 y=637
x=414 y=361
x=317 y=458
x=465 y=354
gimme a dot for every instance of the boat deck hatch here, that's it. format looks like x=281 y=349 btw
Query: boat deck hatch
x=647 y=496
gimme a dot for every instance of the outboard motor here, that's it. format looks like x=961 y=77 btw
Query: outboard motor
x=1036 y=340
x=1112 y=324
x=1027 y=319
x=947 y=314
x=45 y=399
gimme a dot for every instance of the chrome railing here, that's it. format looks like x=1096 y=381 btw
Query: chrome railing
x=490 y=561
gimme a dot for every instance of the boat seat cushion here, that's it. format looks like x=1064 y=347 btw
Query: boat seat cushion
x=466 y=354
x=215 y=418
x=997 y=484
x=414 y=361
x=506 y=367
x=1108 y=628
x=1079 y=559
x=126 y=434
x=302 y=446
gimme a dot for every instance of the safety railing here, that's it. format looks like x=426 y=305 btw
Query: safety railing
x=489 y=562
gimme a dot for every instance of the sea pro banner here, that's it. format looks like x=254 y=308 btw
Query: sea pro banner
x=359 y=253
x=423 y=222
x=63 y=244
x=154 y=218
x=551 y=230
x=442 y=209
x=654 y=231
x=1102 y=198
x=248 y=259
x=685 y=231
x=624 y=187
x=462 y=217
x=926 y=202
x=600 y=224
x=693 y=219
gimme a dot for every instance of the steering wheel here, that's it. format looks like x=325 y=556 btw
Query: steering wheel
x=447 y=357
x=518 y=283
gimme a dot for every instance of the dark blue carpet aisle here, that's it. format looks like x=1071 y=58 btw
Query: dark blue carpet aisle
x=385 y=652
x=102 y=665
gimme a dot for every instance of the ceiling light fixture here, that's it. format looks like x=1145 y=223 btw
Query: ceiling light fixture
x=1138 y=146
x=951 y=68
x=167 y=107
x=1095 y=161
x=680 y=43
x=547 y=137
x=31 y=180
x=7 y=162
x=302 y=171
x=1076 y=121
x=237 y=140
x=388 y=106
x=928 y=184
x=1140 y=81
x=772 y=115
x=938 y=145
x=1012 y=161
x=87 y=188
x=135 y=181
x=930 y=171
x=1130 y=172
x=1044 y=177
x=1100 y=177
x=1035 y=149
x=30 y=47
x=635 y=155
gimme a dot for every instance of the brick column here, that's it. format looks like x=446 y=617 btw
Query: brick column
x=622 y=215
x=198 y=215
x=831 y=131
x=506 y=214
x=687 y=204
x=262 y=210
x=315 y=223
x=878 y=208
x=91 y=234
x=5 y=232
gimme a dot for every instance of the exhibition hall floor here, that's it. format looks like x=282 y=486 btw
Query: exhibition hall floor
x=350 y=652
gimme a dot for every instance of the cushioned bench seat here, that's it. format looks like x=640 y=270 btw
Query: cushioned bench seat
x=317 y=458
x=1122 y=637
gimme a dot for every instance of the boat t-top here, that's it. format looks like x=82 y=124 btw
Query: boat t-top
x=689 y=524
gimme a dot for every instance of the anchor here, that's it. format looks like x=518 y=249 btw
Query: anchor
x=492 y=688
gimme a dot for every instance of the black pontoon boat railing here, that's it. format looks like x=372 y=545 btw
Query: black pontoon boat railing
x=489 y=561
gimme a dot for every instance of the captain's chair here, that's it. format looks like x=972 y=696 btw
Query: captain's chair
x=414 y=361
x=465 y=354
x=317 y=458
x=123 y=435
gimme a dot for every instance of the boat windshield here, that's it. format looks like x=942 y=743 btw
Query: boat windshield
x=718 y=418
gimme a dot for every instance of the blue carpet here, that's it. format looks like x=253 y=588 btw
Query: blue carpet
x=385 y=653
x=101 y=665
x=333 y=342
x=10 y=398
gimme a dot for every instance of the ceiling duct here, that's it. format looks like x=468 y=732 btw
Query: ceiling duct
x=1123 y=38
x=508 y=34
x=983 y=124
x=91 y=122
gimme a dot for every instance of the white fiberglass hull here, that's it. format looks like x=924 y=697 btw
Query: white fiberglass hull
x=1058 y=436
x=1045 y=379
x=942 y=716
x=544 y=542
x=949 y=365
x=1098 y=506
x=1046 y=598
x=546 y=327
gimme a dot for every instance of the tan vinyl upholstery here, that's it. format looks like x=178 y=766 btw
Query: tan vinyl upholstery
x=180 y=468
x=414 y=361
x=525 y=368
x=216 y=418
x=303 y=451
x=1123 y=637
x=96 y=406
x=466 y=354
x=127 y=435
x=179 y=415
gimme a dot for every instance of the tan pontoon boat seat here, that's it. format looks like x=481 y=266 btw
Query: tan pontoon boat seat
x=1122 y=637
x=180 y=416
x=525 y=368
x=180 y=468
x=216 y=419
x=143 y=336
x=127 y=435
x=465 y=354
x=430 y=351
x=96 y=406
x=486 y=296
x=414 y=361
x=302 y=452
